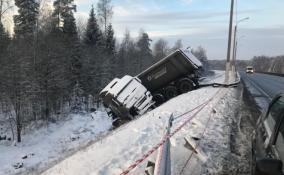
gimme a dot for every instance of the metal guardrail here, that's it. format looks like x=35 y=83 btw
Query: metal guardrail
x=163 y=162
x=271 y=73
x=162 y=165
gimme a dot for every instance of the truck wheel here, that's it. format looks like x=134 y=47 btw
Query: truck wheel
x=170 y=92
x=133 y=112
x=185 y=85
x=117 y=123
x=159 y=99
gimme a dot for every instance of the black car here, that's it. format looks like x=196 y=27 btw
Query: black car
x=268 y=140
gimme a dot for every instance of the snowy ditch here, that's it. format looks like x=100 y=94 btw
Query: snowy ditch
x=42 y=147
x=122 y=147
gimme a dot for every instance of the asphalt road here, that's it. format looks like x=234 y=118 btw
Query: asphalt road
x=263 y=87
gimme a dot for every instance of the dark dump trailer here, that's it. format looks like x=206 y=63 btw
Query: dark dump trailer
x=173 y=75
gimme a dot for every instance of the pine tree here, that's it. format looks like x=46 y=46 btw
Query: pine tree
x=72 y=43
x=57 y=13
x=4 y=39
x=73 y=46
x=93 y=35
x=109 y=66
x=94 y=46
x=161 y=49
x=127 y=55
x=64 y=24
x=144 y=51
x=26 y=20
x=4 y=42
x=69 y=25
x=110 y=40
x=63 y=9
x=63 y=13
x=23 y=85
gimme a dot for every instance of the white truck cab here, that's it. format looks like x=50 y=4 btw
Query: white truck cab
x=126 y=97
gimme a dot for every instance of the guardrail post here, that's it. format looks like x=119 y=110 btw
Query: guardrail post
x=163 y=162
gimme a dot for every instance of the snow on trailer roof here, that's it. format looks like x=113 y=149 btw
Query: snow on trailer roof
x=187 y=53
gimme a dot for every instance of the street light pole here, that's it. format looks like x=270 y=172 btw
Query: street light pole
x=229 y=41
x=235 y=50
x=235 y=42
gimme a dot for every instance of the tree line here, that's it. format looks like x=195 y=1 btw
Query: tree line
x=268 y=64
x=274 y=64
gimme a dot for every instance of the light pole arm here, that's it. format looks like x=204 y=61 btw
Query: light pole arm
x=241 y=20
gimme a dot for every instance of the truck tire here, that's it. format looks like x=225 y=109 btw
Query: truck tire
x=159 y=99
x=133 y=111
x=170 y=92
x=115 y=120
x=185 y=85
x=117 y=123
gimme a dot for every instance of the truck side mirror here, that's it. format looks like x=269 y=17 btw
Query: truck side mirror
x=268 y=167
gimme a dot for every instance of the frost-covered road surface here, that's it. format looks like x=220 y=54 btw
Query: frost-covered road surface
x=263 y=87
x=119 y=149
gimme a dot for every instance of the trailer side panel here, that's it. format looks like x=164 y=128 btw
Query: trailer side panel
x=167 y=70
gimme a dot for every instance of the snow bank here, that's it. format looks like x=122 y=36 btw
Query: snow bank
x=122 y=147
x=47 y=145
x=217 y=77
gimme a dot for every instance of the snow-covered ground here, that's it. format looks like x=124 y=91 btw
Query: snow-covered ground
x=46 y=146
x=216 y=77
x=120 y=148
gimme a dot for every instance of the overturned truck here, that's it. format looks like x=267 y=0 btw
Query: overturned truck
x=130 y=96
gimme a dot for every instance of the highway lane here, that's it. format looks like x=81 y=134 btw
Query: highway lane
x=263 y=87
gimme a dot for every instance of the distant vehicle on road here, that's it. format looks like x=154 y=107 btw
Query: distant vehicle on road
x=268 y=140
x=130 y=96
x=249 y=69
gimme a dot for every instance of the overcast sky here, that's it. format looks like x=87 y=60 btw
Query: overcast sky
x=199 y=23
x=202 y=22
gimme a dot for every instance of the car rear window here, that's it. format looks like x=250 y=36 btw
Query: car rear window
x=275 y=112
